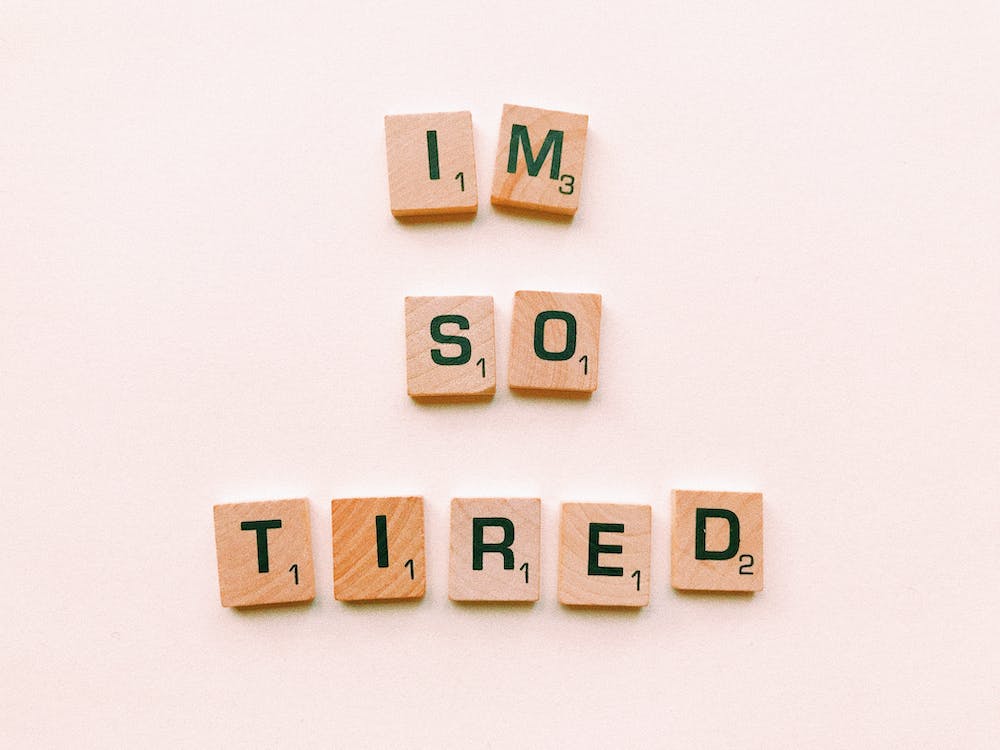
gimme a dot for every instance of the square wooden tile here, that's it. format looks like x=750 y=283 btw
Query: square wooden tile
x=604 y=554
x=378 y=548
x=717 y=541
x=495 y=549
x=554 y=343
x=264 y=553
x=450 y=349
x=539 y=160
x=432 y=164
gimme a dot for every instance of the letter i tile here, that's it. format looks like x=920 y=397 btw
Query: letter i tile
x=378 y=548
x=432 y=164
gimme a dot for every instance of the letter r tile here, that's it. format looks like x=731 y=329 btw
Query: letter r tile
x=495 y=544
x=264 y=553
x=717 y=541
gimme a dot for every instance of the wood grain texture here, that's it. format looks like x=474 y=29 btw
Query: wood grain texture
x=424 y=169
x=512 y=523
x=357 y=574
x=571 y=367
x=743 y=550
x=581 y=535
x=442 y=370
x=561 y=138
x=255 y=567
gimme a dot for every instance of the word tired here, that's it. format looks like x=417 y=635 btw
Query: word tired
x=265 y=554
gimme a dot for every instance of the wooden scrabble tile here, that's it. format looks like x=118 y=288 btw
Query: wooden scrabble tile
x=495 y=548
x=717 y=541
x=604 y=554
x=432 y=164
x=554 y=344
x=450 y=352
x=264 y=553
x=378 y=548
x=539 y=160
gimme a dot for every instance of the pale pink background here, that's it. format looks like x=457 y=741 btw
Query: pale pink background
x=791 y=210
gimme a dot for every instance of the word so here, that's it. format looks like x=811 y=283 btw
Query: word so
x=451 y=354
x=431 y=161
x=265 y=554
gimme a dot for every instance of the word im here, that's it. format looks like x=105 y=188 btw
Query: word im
x=265 y=554
x=420 y=147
